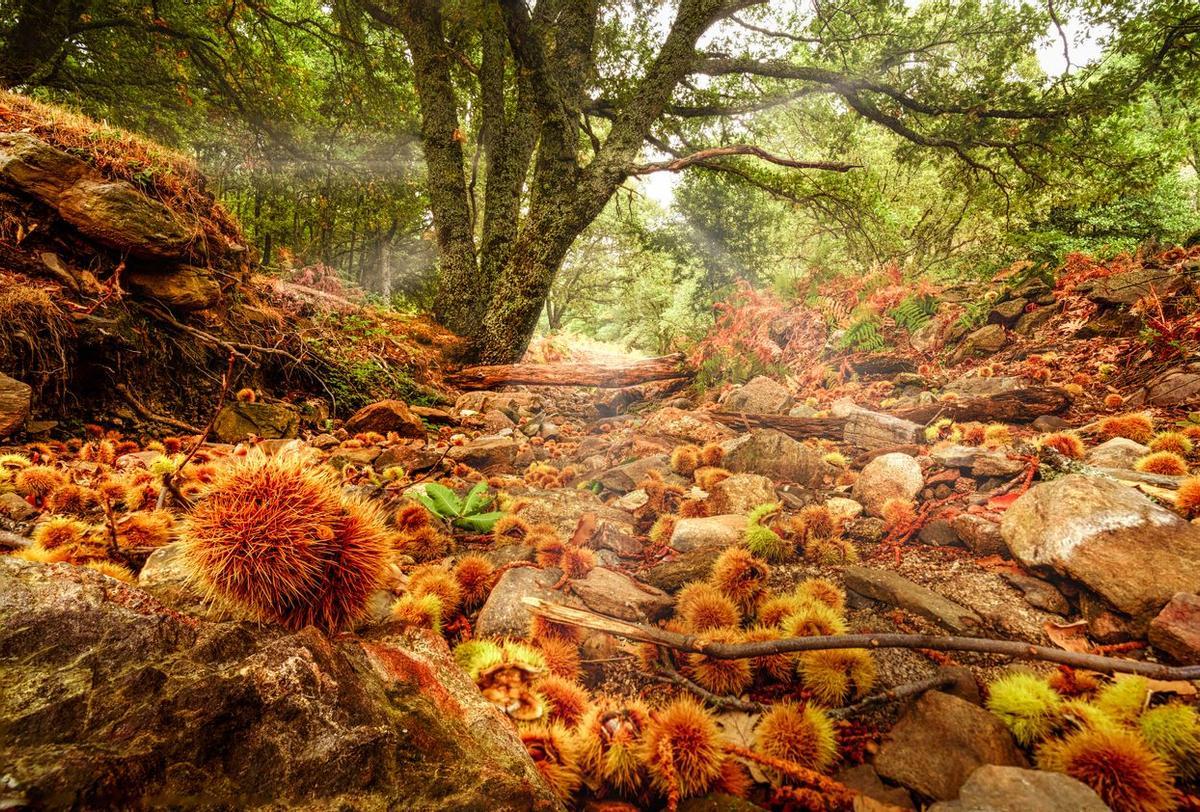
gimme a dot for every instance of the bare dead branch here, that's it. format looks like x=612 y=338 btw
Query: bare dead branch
x=706 y=155
x=736 y=651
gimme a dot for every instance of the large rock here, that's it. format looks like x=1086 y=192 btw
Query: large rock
x=940 y=742
x=15 y=400
x=1127 y=287
x=1108 y=537
x=984 y=341
x=711 y=532
x=485 y=453
x=762 y=395
x=271 y=421
x=386 y=416
x=992 y=788
x=625 y=477
x=116 y=214
x=741 y=493
x=184 y=287
x=113 y=213
x=617 y=595
x=1175 y=387
x=888 y=476
x=1176 y=629
x=505 y=615
x=111 y=701
x=1119 y=452
x=772 y=453
x=894 y=589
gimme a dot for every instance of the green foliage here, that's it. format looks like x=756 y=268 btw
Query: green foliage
x=914 y=311
x=469 y=513
x=863 y=336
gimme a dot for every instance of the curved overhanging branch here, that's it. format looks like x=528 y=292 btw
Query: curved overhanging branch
x=697 y=644
x=705 y=155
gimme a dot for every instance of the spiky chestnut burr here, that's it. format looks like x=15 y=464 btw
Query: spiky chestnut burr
x=277 y=538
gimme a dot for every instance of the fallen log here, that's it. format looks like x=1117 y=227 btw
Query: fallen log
x=1017 y=406
x=871 y=429
x=700 y=644
x=607 y=376
x=800 y=428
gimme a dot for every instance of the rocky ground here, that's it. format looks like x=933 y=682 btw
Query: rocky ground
x=127 y=686
x=285 y=609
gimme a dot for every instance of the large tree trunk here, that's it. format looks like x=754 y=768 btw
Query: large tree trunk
x=32 y=43
x=461 y=296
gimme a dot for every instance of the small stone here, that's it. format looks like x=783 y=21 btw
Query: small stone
x=896 y=590
x=184 y=287
x=16 y=508
x=981 y=536
x=1176 y=629
x=237 y=421
x=711 y=532
x=1007 y=313
x=485 y=453
x=1049 y=422
x=512 y=403
x=1038 y=593
x=15 y=400
x=627 y=476
x=939 y=533
x=694 y=565
x=996 y=463
x=741 y=493
x=864 y=779
x=889 y=476
x=761 y=395
x=940 y=742
x=386 y=416
x=772 y=453
x=1119 y=452
x=843 y=508
x=680 y=426
x=986 y=340
x=505 y=615
x=1175 y=387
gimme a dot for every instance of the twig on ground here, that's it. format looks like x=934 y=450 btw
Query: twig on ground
x=668 y=673
x=736 y=651
x=895 y=694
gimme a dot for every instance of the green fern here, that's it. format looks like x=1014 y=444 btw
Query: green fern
x=863 y=336
x=975 y=314
x=914 y=312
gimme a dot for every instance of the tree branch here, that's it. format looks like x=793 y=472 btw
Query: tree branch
x=698 y=644
x=705 y=155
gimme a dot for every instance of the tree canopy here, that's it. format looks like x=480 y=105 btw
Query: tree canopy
x=361 y=133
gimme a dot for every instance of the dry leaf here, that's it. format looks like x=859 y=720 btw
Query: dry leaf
x=738 y=728
x=1069 y=636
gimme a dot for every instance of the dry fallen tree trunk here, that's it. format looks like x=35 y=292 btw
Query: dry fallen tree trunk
x=697 y=644
x=1018 y=406
x=664 y=367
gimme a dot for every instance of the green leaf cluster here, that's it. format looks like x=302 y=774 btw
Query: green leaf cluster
x=469 y=513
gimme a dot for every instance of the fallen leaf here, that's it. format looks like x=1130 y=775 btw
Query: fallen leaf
x=1069 y=636
x=737 y=728
x=1159 y=686
x=996 y=563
